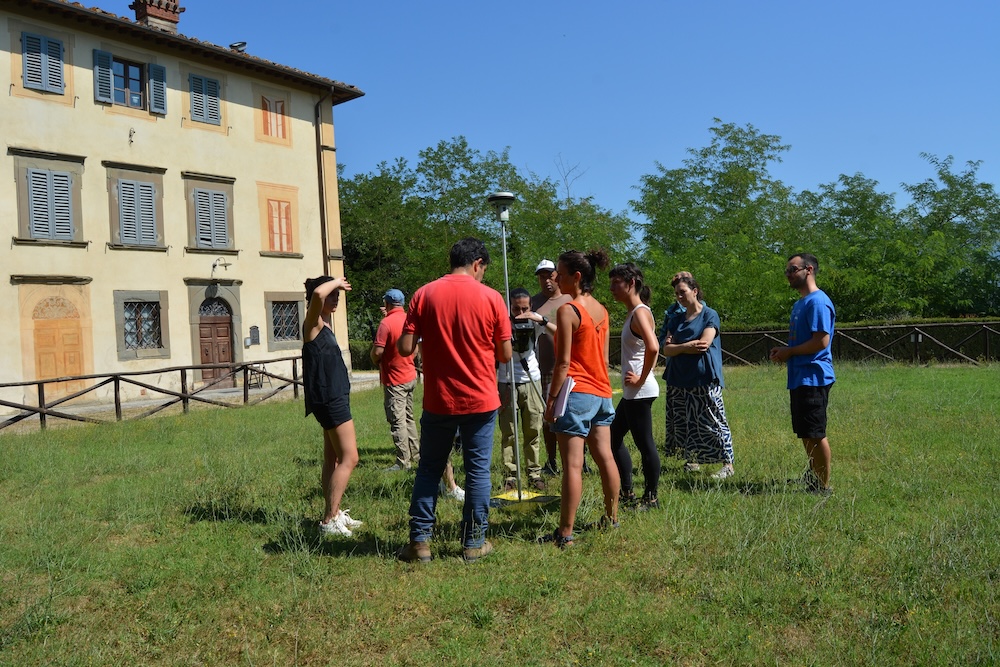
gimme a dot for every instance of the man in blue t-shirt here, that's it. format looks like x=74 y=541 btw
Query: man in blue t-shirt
x=810 y=366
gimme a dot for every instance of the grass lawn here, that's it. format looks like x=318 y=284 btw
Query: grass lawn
x=191 y=540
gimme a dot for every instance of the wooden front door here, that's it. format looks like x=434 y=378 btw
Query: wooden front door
x=215 y=337
x=59 y=353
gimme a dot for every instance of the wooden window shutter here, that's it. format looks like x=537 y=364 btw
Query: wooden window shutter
x=220 y=230
x=39 y=218
x=197 y=97
x=103 y=79
x=31 y=55
x=157 y=76
x=146 y=208
x=212 y=107
x=54 y=66
x=128 y=214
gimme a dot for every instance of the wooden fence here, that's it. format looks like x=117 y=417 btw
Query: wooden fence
x=963 y=342
x=251 y=373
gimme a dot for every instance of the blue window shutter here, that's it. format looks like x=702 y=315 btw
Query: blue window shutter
x=128 y=215
x=103 y=80
x=220 y=230
x=62 y=205
x=203 y=218
x=54 y=66
x=38 y=202
x=197 y=97
x=212 y=107
x=157 y=75
x=31 y=54
x=43 y=62
x=146 y=207
x=50 y=202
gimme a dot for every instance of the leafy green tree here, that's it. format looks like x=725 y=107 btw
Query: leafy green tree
x=720 y=216
x=864 y=250
x=953 y=225
x=399 y=223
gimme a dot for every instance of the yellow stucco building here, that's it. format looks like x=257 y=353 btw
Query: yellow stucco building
x=164 y=197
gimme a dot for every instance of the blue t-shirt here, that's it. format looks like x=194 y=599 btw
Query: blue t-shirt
x=695 y=370
x=813 y=312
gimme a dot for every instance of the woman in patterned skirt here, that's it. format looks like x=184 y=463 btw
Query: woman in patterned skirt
x=694 y=382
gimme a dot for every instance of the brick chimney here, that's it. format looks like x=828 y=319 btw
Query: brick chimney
x=162 y=14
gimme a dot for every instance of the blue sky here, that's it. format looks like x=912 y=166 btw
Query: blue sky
x=613 y=88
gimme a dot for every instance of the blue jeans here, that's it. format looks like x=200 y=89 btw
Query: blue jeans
x=437 y=434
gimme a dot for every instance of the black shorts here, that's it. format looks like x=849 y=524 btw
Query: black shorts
x=333 y=414
x=808 y=406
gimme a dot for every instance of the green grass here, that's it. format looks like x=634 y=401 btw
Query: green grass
x=191 y=540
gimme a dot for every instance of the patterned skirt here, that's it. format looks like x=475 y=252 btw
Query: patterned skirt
x=697 y=426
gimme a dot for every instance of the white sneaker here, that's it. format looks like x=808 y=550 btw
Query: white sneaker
x=691 y=467
x=342 y=515
x=335 y=527
x=724 y=472
x=458 y=493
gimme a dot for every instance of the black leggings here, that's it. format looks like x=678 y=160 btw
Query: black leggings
x=635 y=415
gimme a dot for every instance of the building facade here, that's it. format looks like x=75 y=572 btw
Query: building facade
x=165 y=197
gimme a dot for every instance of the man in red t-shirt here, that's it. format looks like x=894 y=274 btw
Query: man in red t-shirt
x=398 y=376
x=465 y=331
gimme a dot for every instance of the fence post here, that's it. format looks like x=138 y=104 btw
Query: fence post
x=295 y=378
x=246 y=384
x=118 y=399
x=41 y=404
x=184 y=390
x=986 y=343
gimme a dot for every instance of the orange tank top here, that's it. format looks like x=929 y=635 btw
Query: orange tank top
x=587 y=365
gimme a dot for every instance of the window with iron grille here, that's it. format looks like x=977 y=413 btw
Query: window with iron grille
x=285 y=320
x=142 y=325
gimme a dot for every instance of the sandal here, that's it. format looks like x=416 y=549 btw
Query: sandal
x=559 y=540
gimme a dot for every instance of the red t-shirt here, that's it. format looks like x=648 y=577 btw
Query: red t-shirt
x=459 y=321
x=394 y=368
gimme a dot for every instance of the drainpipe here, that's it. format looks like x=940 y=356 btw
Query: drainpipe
x=320 y=149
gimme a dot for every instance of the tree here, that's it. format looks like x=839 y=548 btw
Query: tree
x=398 y=224
x=719 y=216
x=953 y=224
x=864 y=250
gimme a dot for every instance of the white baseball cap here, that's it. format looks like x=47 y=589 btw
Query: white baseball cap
x=545 y=265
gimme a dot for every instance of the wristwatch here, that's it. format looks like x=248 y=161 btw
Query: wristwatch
x=545 y=321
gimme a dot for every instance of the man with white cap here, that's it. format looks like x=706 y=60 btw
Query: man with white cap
x=399 y=377
x=545 y=304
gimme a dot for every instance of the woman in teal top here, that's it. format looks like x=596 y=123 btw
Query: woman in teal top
x=695 y=410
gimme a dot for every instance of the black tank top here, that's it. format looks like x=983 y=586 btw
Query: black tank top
x=324 y=374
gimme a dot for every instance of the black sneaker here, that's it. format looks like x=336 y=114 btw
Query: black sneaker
x=627 y=499
x=550 y=468
x=647 y=503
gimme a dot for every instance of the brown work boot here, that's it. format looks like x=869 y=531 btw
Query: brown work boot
x=415 y=552
x=472 y=555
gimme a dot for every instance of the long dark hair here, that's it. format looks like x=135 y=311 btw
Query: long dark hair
x=587 y=264
x=632 y=274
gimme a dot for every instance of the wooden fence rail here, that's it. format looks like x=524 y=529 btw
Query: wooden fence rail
x=247 y=371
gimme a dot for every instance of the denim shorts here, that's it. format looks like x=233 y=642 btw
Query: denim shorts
x=584 y=412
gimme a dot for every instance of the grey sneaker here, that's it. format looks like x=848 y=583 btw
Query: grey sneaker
x=472 y=555
x=724 y=472
x=415 y=552
x=691 y=467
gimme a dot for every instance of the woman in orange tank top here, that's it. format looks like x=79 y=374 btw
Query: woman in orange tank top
x=581 y=344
